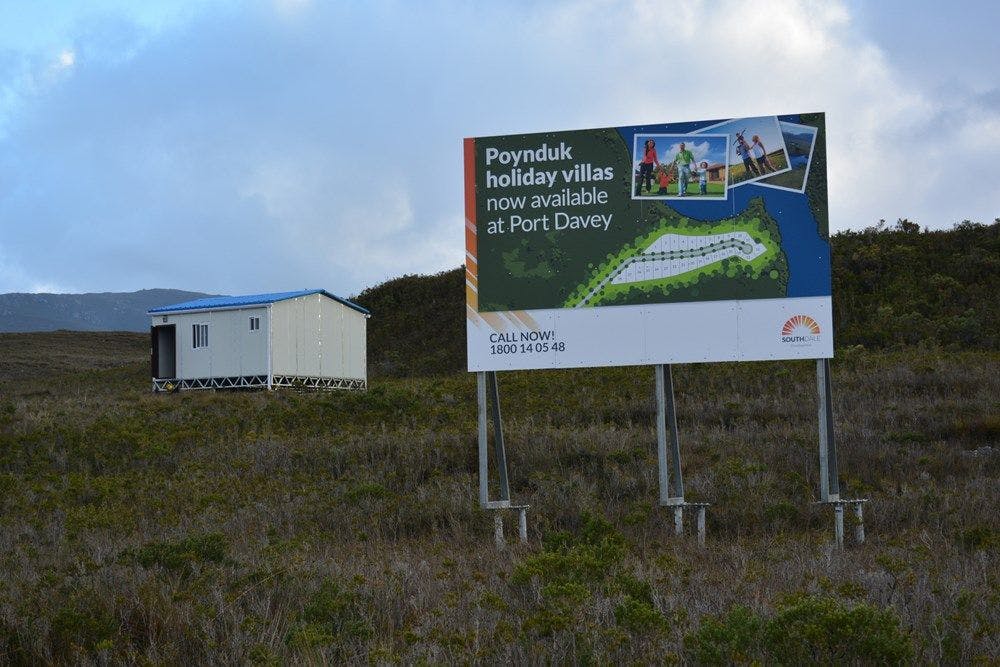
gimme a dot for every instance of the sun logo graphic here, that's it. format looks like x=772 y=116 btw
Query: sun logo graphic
x=800 y=329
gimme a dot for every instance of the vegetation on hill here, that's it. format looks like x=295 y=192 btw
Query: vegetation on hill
x=337 y=527
x=896 y=286
x=417 y=325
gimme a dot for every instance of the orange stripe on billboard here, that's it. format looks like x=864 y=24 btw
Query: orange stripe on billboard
x=471 y=298
x=524 y=318
x=495 y=320
x=470 y=196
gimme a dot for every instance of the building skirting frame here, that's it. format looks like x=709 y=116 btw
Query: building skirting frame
x=258 y=382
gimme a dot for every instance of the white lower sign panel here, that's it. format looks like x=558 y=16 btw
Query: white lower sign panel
x=757 y=330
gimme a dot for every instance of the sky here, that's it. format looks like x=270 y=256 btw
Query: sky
x=240 y=147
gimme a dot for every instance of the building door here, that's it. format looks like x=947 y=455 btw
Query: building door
x=164 y=356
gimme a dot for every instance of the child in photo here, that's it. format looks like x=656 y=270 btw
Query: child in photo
x=702 y=171
x=664 y=181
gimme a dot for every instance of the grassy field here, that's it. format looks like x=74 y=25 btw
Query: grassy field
x=340 y=527
x=793 y=179
x=738 y=172
x=714 y=188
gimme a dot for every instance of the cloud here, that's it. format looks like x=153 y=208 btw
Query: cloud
x=14 y=278
x=283 y=144
x=67 y=58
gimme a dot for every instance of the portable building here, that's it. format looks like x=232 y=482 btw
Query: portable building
x=309 y=338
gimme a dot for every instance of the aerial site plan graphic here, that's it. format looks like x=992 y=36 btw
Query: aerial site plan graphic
x=618 y=243
x=679 y=255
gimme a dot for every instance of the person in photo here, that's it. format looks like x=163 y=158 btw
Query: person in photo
x=703 y=178
x=683 y=163
x=646 y=167
x=760 y=154
x=664 y=180
x=743 y=151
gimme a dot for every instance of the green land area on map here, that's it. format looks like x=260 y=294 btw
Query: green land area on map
x=687 y=260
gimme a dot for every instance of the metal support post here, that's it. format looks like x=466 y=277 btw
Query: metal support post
x=498 y=530
x=839 y=506
x=484 y=469
x=829 y=481
x=499 y=451
x=499 y=448
x=670 y=466
x=838 y=523
x=661 y=435
x=829 y=472
x=674 y=437
x=666 y=415
x=488 y=392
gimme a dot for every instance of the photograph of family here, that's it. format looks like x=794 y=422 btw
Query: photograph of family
x=756 y=148
x=675 y=166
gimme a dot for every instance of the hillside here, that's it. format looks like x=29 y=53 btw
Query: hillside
x=324 y=528
x=417 y=325
x=900 y=286
x=104 y=311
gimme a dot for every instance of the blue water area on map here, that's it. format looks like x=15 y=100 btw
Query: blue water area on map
x=807 y=252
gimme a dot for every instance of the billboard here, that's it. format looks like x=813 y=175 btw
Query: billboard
x=669 y=243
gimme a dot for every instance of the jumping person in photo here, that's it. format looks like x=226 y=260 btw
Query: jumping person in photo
x=760 y=154
x=646 y=167
x=683 y=162
x=703 y=178
x=743 y=151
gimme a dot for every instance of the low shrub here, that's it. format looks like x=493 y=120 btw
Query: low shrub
x=574 y=568
x=804 y=629
x=333 y=615
x=181 y=554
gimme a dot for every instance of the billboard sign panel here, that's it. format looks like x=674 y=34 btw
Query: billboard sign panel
x=668 y=243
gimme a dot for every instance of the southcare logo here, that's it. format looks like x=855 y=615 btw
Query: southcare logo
x=800 y=329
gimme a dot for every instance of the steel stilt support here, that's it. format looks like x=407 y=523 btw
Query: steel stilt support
x=859 y=523
x=488 y=400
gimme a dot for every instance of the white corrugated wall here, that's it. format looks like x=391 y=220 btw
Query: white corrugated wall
x=316 y=336
x=233 y=348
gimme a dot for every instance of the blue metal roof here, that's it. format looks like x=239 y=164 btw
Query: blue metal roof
x=249 y=300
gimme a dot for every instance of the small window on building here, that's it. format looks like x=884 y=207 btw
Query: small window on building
x=254 y=324
x=199 y=335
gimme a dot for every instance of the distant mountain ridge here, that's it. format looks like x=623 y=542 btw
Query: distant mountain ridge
x=100 y=311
